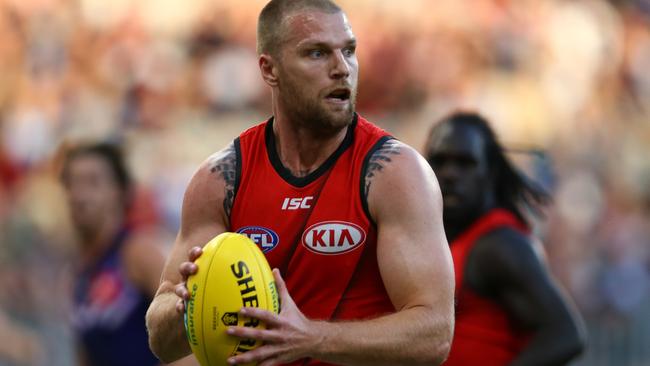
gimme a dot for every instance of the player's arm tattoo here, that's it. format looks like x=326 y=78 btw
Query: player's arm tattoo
x=378 y=160
x=224 y=163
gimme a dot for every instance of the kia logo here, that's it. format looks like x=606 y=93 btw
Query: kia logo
x=333 y=237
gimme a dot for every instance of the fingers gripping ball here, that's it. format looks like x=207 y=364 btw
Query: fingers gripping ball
x=232 y=273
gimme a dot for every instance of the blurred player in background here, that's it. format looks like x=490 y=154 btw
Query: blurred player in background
x=510 y=311
x=356 y=214
x=119 y=268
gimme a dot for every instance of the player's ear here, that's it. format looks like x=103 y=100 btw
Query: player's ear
x=268 y=69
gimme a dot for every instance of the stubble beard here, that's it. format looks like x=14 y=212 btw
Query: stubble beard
x=311 y=114
x=461 y=216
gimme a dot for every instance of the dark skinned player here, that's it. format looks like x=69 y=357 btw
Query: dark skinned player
x=510 y=310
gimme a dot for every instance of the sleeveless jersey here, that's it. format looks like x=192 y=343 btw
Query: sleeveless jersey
x=484 y=332
x=316 y=229
x=109 y=313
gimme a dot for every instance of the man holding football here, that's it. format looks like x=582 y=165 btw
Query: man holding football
x=314 y=174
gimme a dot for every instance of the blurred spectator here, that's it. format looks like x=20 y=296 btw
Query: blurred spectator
x=118 y=270
x=120 y=262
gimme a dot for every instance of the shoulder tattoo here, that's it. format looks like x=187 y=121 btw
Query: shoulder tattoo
x=224 y=163
x=378 y=160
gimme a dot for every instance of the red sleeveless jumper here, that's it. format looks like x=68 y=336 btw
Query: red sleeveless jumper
x=484 y=333
x=315 y=229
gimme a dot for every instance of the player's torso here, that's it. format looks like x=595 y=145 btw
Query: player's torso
x=484 y=331
x=314 y=229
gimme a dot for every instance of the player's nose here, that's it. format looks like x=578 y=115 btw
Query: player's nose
x=448 y=172
x=340 y=66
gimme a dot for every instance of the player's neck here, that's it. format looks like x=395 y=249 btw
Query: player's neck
x=97 y=241
x=456 y=226
x=300 y=149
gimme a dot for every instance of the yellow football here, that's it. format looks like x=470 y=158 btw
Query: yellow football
x=232 y=273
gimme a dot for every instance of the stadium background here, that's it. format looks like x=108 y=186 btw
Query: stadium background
x=174 y=81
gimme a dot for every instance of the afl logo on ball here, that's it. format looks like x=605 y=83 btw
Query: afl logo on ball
x=265 y=238
x=333 y=237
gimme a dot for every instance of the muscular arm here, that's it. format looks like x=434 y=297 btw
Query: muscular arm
x=415 y=265
x=505 y=264
x=206 y=207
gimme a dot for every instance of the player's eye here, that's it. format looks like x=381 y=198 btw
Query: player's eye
x=349 y=51
x=316 y=54
x=466 y=162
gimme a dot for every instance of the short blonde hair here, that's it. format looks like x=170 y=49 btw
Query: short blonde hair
x=270 y=21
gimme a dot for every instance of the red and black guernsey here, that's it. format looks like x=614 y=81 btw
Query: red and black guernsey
x=484 y=332
x=316 y=229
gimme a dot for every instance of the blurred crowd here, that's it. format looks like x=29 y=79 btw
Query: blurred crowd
x=566 y=85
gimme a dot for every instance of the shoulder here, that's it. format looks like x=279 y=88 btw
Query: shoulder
x=143 y=257
x=223 y=163
x=212 y=187
x=380 y=158
x=504 y=256
x=394 y=160
x=144 y=242
x=396 y=170
x=504 y=244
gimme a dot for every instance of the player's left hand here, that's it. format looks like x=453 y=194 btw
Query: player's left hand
x=288 y=337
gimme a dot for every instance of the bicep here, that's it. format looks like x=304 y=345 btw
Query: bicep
x=203 y=217
x=412 y=249
x=199 y=236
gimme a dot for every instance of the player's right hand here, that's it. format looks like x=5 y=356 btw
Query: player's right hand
x=186 y=269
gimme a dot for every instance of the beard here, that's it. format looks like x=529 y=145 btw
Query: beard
x=312 y=113
x=460 y=215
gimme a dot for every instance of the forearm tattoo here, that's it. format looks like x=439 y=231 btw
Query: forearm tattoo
x=225 y=164
x=378 y=160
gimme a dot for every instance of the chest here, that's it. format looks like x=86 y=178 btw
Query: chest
x=325 y=218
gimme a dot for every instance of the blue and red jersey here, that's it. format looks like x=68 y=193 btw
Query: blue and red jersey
x=109 y=313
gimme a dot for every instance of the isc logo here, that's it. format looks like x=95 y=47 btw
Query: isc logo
x=265 y=238
x=333 y=237
x=297 y=203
